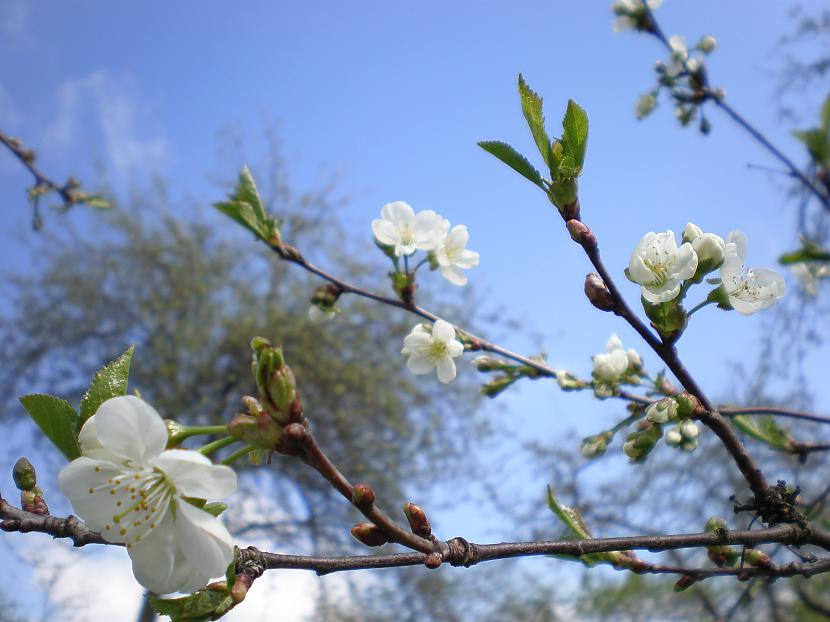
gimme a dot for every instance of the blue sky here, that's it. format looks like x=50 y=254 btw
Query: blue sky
x=393 y=97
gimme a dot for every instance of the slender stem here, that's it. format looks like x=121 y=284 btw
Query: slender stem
x=420 y=263
x=216 y=445
x=773 y=411
x=244 y=451
x=697 y=308
x=291 y=254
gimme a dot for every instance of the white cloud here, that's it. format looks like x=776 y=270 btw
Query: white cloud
x=101 y=109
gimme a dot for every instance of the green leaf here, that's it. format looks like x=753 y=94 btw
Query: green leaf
x=200 y=606
x=575 y=134
x=825 y=115
x=764 y=429
x=97 y=200
x=513 y=159
x=58 y=421
x=810 y=252
x=569 y=516
x=532 y=110
x=245 y=205
x=110 y=381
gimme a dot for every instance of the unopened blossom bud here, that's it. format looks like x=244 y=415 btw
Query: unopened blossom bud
x=635 y=363
x=275 y=382
x=691 y=232
x=240 y=587
x=640 y=443
x=689 y=444
x=252 y=404
x=363 y=497
x=687 y=404
x=598 y=293
x=369 y=534
x=580 y=233
x=432 y=561
x=33 y=501
x=418 y=521
x=662 y=411
x=723 y=555
x=674 y=437
x=754 y=557
x=485 y=363
x=497 y=385
x=715 y=523
x=689 y=430
x=568 y=382
x=594 y=446
x=707 y=44
x=260 y=430
x=664 y=385
x=645 y=105
x=24 y=475
x=684 y=583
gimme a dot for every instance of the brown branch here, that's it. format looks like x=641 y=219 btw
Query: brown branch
x=15 y=519
x=291 y=254
x=773 y=411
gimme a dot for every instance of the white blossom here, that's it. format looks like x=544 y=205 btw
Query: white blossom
x=707 y=44
x=659 y=266
x=453 y=256
x=679 y=50
x=318 y=315
x=627 y=12
x=129 y=488
x=662 y=411
x=674 y=437
x=401 y=227
x=688 y=430
x=611 y=365
x=808 y=275
x=432 y=350
x=749 y=290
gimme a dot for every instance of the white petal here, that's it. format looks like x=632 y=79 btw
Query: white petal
x=454 y=275
x=613 y=343
x=730 y=270
x=419 y=342
x=443 y=331
x=738 y=238
x=638 y=271
x=91 y=446
x=446 y=369
x=419 y=364
x=83 y=475
x=458 y=236
x=661 y=293
x=194 y=475
x=398 y=213
x=455 y=348
x=130 y=427
x=685 y=262
x=467 y=259
x=385 y=232
x=203 y=539
x=153 y=559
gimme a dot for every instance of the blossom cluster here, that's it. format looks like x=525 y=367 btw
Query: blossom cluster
x=615 y=365
x=406 y=232
x=665 y=271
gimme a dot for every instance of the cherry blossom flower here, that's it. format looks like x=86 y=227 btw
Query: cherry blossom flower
x=630 y=12
x=401 y=227
x=437 y=349
x=453 y=256
x=659 y=266
x=129 y=488
x=749 y=290
x=615 y=362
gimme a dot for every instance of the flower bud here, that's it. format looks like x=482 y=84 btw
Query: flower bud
x=645 y=105
x=275 y=382
x=754 y=557
x=497 y=385
x=260 y=430
x=707 y=44
x=580 y=233
x=598 y=293
x=691 y=232
x=662 y=411
x=689 y=429
x=485 y=363
x=369 y=534
x=687 y=404
x=24 y=475
x=684 y=583
x=432 y=561
x=674 y=437
x=640 y=443
x=418 y=521
x=723 y=555
x=363 y=497
x=568 y=382
x=33 y=501
x=240 y=587
x=635 y=363
x=715 y=524
x=595 y=446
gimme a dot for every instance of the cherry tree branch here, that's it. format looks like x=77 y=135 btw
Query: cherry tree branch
x=460 y=552
x=708 y=93
x=291 y=254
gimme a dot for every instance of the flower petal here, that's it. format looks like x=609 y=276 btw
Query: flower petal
x=446 y=369
x=443 y=331
x=203 y=539
x=385 y=232
x=153 y=559
x=420 y=364
x=454 y=275
x=661 y=293
x=467 y=259
x=130 y=427
x=455 y=348
x=194 y=475
x=685 y=262
x=398 y=213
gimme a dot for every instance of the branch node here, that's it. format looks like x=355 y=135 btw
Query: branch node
x=461 y=553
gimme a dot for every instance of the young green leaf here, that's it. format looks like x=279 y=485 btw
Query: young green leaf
x=513 y=159
x=58 y=421
x=575 y=134
x=110 y=381
x=532 y=110
x=245 y=205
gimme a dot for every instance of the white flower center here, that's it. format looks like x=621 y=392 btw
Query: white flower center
x=659 y=269
x=438 y=350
